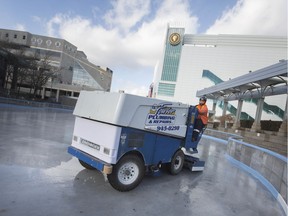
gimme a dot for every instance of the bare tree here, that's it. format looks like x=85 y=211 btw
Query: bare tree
x=27 y=69
x=15 y=61
x=41 y=71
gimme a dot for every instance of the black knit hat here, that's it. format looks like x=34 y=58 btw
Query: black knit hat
x=203 y=98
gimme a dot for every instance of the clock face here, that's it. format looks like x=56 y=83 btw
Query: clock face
x=174 y=39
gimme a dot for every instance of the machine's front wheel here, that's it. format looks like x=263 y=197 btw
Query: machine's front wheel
x=177 y=162
x=127 y=173
x=87 y=166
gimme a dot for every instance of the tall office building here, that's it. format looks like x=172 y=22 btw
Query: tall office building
x=194 y=62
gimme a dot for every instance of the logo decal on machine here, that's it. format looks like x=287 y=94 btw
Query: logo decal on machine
x=161 y=114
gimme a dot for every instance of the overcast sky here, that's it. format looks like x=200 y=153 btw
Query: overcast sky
x=128 y=35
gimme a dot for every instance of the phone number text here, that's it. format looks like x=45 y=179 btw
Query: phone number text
x=168 y=128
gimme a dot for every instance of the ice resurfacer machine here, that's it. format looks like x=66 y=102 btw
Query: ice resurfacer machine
x=126 y=136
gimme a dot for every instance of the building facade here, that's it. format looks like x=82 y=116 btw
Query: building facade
x=187 y=58
x=75 y=71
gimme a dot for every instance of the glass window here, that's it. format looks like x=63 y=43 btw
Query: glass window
x=166 y=89
x=39 y=41
x=171 y=63
x=33 y=40
x=172 y=57
x=57 y=44
x=82 y=78
x=48 y=42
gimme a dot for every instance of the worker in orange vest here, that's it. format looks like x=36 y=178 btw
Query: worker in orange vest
x=201 y=120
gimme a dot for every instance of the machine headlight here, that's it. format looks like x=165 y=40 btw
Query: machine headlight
x=75 y=138
x=106 y=151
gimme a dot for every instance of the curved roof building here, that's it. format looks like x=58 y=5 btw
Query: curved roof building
x=76 y=71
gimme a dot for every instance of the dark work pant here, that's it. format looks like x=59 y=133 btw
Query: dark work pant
x=198 y=127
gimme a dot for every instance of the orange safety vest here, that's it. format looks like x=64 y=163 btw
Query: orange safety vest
x=203 y=113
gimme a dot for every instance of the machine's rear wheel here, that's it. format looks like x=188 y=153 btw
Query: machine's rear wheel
x=127 y=173
x=177 y=162
x=87 y=166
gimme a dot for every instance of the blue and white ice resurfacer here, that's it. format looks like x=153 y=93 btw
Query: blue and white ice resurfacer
x=126 y=136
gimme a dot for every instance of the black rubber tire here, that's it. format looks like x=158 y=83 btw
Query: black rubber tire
x=127 y=173
x=177 y=162
x=85 y=165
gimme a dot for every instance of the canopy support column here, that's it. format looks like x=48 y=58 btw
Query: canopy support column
x=236 y=124
x=283 y=128
x=256 y=127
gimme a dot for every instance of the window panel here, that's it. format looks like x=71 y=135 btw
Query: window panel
x=166 y=89
x=172 y=58
x=82 y=77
